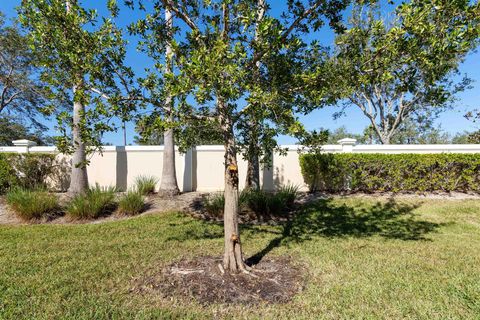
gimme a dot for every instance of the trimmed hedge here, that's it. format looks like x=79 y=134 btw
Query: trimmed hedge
x=28 y=171
x=356 y=172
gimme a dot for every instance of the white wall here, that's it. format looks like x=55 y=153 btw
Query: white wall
x=202 y=168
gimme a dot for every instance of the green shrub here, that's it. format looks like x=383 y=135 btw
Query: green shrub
x=28 y=171
x=97 y=201
x=34 y=169
x=391 y=172
x=131 y=203
x=8 y=177
x=29 y=204
x=146 y=184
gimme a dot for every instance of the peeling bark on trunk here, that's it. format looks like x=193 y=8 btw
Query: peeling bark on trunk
x=233 y=257
x=169 y=185
x=78 y=177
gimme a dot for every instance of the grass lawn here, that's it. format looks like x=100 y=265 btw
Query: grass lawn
x=417 y=259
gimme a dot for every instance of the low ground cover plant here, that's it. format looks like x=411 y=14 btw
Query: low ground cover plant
x=391 y=172
x=32 y=204
x=96 y=202
x=145 y=185
x=131 y=203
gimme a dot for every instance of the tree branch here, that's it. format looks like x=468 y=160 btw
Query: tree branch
x=258 y=56
x=182 y=15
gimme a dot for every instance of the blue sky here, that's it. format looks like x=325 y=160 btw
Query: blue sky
x=452 y=121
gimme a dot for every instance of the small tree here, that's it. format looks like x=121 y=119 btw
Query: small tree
x=81 y=62
x=402 y=68
x=215 y=59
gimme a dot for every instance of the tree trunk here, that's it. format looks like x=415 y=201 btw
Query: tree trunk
x=78 y=177
x=169 y=185
x=385 y=139
x=253 y=167
x=233 y=257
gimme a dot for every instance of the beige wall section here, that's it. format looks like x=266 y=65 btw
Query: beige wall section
x=202 y=169
x=286 y=171
x=209 y=168
x=102 y=169
x=121 y=166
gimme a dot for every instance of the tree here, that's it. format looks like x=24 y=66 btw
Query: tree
x=275 y=81
x=159 y=125
x=22 y=93
x=404 y=68
x=410 y=133
x=341 y=133
x=463 y=138
x=14 y=129
x=81 y=61
x=202 y=134
x=168 y=184
x=215 y=57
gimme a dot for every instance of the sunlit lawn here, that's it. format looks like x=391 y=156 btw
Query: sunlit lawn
x=367 y=259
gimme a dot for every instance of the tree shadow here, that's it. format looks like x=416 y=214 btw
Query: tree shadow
x=326 y=218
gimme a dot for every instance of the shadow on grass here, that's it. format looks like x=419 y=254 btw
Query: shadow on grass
x=326 y=218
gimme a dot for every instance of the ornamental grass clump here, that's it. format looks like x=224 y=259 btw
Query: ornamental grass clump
x=145 y=185
x=32 y=204
x=131 y=203
x=258 y=201
x=287 y=195
x=96 y=202
x=214 y=204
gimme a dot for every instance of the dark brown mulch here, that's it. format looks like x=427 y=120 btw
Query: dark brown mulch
x=275 y=280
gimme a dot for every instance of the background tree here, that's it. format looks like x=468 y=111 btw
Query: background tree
x=22 y=93
x=341 y=133
x=81 y=60
x=409 y=132
x=13 y=129
x=156 y=30
x=463 y=138
x=404 y=67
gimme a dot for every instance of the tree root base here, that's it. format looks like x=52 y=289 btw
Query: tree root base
x=274 y=280
x=168 y=193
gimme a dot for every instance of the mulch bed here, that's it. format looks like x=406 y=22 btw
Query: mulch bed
x=274 y=280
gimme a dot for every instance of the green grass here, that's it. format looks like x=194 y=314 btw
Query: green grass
x=367 y=259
